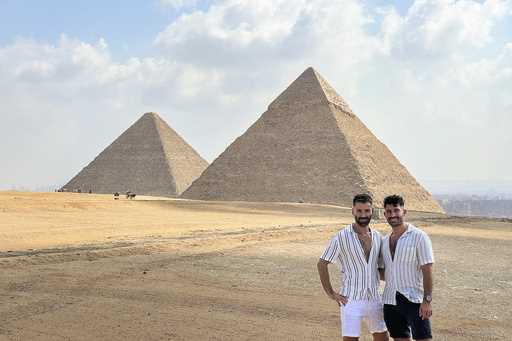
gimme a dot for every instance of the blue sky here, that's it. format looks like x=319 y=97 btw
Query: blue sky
x=129 y=26
x=430 y=78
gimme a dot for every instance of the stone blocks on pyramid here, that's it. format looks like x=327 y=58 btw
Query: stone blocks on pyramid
x=149 y=158
x=308 y=147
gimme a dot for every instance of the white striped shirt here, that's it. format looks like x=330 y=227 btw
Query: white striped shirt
x=403 y=273
x=360 y=279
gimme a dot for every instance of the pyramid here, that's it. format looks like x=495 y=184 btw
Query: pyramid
x=149 y=158
x=309 y=147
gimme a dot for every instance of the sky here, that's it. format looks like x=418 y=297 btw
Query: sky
x=432 y=79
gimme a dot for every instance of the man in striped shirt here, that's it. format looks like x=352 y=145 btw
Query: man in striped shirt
x=356 y=249
x=408 y=258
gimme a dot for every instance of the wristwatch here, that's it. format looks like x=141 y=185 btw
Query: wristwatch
x=427 y=298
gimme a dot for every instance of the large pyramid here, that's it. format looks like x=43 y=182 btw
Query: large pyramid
x=308 y=147
x=148 y=158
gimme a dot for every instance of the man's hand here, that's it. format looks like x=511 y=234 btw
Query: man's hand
x=339 y=298
x=425 y=310
x=326 y=283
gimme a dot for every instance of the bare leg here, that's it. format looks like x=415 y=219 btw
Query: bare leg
x=381 y=336
x=350 y=338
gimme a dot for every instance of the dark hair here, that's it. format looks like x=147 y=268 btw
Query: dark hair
x=362 y=198
x=394 y=200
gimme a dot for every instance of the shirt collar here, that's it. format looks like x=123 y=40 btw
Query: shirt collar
x=351 y=229
x=409 y=228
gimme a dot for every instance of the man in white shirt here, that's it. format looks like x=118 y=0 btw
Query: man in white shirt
x=408 y=259
x=356 y=249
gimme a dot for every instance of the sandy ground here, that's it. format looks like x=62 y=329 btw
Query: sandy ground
x=86 y=267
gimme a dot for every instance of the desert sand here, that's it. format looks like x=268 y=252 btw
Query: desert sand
x=86 y=267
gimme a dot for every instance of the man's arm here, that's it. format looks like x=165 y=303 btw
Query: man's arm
x=323 y=271
x=426 y=306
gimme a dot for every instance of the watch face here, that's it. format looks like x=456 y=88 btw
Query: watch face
x=428 y=298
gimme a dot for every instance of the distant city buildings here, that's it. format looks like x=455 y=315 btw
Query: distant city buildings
x=496 y=206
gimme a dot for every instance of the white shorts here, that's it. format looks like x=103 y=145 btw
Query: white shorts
x=356 y=311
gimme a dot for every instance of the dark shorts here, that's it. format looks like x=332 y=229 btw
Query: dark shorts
x=404 y=318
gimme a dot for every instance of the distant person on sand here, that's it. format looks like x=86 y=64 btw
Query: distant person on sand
x=356 y=249
x=408 y=258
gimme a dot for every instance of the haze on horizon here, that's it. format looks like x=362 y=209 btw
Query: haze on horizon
x=430 y=78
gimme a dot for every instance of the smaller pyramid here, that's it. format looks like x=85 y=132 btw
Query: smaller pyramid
x=149 y=158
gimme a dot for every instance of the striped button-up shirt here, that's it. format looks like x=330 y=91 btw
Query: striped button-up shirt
x=403 y=273
x=360 y=278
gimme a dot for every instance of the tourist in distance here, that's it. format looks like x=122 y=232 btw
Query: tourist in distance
x=356 y=249
x=408 y=258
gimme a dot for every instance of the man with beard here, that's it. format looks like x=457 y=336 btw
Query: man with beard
x=356 y=250
x=408 y=258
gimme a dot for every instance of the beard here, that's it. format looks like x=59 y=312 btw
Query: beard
x=395 y=221
x=363 y=221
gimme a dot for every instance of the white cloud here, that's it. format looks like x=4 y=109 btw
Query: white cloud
x=486 y=71
x=240 y=23
x=424 y=82
x=439 y=28
x=63 y=103
x=245 y=40
x=440 y=87
x=248 y=31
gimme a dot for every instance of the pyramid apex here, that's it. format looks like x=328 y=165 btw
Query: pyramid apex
x=309 y=72
x=151 y=114
x=309 y=88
